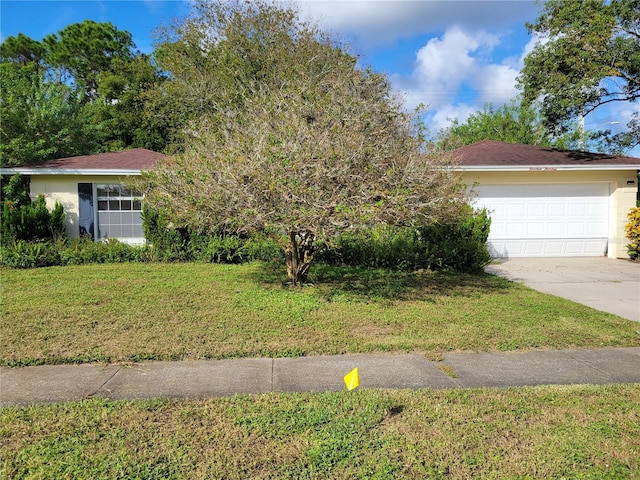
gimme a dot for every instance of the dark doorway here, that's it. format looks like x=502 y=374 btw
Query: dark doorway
x=86 y=213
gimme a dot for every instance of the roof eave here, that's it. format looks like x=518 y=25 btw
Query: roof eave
x=542 y=168
x=69 y=171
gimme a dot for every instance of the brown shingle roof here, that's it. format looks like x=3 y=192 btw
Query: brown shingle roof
x=493 y=153
x=135 y=159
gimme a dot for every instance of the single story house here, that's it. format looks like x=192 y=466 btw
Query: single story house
x=92 y=191
x=546 y=202
x=542 y=201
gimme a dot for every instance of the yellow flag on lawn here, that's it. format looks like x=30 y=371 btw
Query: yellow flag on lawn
x=351 y=379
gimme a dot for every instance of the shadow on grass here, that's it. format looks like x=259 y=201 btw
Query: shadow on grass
x=377 y=284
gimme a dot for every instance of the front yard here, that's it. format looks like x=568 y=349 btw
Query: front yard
x=133 y=312
x=130 y=312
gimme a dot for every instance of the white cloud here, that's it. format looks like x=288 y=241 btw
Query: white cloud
x=377 y=22
x=454 y=72
x=457 y=59
x=495 y=84
x=443 y=116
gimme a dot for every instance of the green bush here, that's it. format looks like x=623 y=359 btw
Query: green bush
x=459 y=246
x=23 y=219
x=23 y=254
x=186 y=244
x=168 y=244
x=77 y=251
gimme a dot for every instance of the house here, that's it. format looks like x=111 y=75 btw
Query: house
x=542 y=201
x=548 y=202
x=92 y=190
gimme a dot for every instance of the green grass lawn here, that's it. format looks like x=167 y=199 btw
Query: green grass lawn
x=581 y=432
x=130 y=312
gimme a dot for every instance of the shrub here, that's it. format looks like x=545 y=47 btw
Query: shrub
x=168 y=244
x=23 y=219
x=632 y=233
x=186 y=244
x=459 y=246
x=77 y=251
x=23 y=254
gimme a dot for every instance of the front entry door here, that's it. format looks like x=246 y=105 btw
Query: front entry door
x=86 y=212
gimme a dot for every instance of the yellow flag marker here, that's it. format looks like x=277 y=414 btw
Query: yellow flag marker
x=351 y=379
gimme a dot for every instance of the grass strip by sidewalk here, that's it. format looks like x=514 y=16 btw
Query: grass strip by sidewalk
x=590 y=432
x=135 y=312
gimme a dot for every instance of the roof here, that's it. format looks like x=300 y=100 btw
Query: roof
x=124 y=162
x=501 y=156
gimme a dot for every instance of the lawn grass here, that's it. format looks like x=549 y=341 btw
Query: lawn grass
x=585 y=432
x=131 y=312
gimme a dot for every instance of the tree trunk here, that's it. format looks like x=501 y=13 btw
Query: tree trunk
x=299 y=254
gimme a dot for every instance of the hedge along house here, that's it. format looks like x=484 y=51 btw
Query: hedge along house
x=545 y=202
x=92 y=191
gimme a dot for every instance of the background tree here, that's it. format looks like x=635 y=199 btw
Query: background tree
x=590 y=57
x=515 y=123
x=81 y=91
x=39 y=120
x=511 y=123
x=119 y=116
x=83 y=51
x=23 y=50
x=293 y=138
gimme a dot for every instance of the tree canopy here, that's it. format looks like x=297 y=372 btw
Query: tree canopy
x=292 y=137
x=511 y=123
x=517 y=122
x=85 y=50
x=81 y=91
x=589 y=57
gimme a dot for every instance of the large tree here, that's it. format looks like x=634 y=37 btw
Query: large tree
x=293 y=138
x=589 y=57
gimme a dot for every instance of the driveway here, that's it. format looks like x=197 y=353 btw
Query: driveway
x=602 y=283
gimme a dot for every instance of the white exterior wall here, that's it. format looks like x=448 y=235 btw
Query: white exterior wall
x=64 y=189
x=622 y=187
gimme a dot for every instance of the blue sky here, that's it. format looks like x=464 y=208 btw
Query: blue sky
x=451 y=55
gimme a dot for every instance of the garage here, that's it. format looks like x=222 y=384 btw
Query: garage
x=545 y=202
x=548 y=220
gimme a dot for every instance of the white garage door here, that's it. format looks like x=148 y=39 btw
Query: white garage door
x=547 y=220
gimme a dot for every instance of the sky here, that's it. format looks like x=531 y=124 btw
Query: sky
x=454 y=56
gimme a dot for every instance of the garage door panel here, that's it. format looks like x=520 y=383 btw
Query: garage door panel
x=556 y=229
x=536 y=210
x=596 y=210
x=575 y=229
x=553 y=248
x=515 y=229
x=576 y=209
x=515 y=210
x=536 y=229
x=547 y=220
x=533 y=248
x=556 y=210
x=596 y=228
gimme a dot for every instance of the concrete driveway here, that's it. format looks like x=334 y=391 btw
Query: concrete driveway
x=602 y=283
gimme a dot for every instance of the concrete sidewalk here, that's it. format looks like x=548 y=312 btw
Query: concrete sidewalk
x=202 y=379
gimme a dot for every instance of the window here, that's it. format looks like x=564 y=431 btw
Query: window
x=119 y=212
